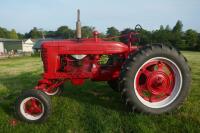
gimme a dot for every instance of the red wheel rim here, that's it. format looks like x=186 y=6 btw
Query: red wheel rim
x=32 y=108
x=155 y=81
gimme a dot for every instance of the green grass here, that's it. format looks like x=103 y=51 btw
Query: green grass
x=93 y=107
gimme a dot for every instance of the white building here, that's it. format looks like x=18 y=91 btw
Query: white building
x=27 y=46
x=7 y=45
x=1 y=48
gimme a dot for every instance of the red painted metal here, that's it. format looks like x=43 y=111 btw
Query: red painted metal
x=155 y=81
x=60 y=65
x=33 y=107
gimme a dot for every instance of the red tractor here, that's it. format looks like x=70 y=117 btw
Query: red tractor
x=153 y=79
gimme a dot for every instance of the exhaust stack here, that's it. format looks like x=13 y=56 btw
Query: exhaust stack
x=78 y=25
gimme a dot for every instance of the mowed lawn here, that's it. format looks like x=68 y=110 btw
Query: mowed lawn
x=93 y=107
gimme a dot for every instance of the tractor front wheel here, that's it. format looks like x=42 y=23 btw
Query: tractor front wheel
x=33 y=106
x=155 y=80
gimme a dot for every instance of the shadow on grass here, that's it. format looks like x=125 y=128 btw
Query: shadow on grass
x=14 y=86
x=90 y=93
x=94 y=93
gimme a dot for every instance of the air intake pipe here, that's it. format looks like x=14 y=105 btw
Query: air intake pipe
x=78 y=25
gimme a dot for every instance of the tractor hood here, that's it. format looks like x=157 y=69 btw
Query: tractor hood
x=86 y=46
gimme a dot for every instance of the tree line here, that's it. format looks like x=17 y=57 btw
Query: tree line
x=183 y=40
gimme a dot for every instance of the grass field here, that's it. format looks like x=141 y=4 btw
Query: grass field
x=93 y=107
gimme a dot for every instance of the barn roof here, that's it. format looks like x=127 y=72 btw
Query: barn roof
x=6 y=40
x=37 y=44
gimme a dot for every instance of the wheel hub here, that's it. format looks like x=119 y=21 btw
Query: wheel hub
x=155 y=81
x=158 y=82
x=33 y=107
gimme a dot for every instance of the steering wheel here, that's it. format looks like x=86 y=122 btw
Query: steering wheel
x=138 y=28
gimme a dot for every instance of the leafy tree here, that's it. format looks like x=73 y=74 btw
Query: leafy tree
x=20 y=36
x=50 y=34
x=145 y=37
x=87 y=31
x=34 y=33
x=167 y=28
x=112 y=31
x=162 y=28
x=102 y=35
x=13 y=34
x=123 y=32
x=178 y=27
x=177 y=35
x=198 y=43
x=65 y=32
x=191 y=38
x=163 y=35
x=4 y=33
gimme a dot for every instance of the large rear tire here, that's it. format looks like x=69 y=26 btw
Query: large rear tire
x=155 y=79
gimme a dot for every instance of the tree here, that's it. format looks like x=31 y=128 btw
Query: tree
x=13 y=34
x=177 y=35
x=112 y=31
x=102 y=35
x=162 y=28
x=191 y=38
x=87 y=31
x=50 y=34
x=145 y=37
x=178 y=27
x=167 y=28
x=20 y=36
x=4 y=33
x=198 y=42
x=65 y=32
x=163 y=35
x=123 y=32
x=34 y=33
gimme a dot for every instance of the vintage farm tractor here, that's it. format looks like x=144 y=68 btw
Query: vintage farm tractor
x=153 y=79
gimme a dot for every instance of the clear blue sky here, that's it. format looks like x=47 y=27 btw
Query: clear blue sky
x=50 y=14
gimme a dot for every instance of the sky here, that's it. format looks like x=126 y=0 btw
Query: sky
x=23 y=15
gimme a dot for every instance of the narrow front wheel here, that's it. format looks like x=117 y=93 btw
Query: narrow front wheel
x=33 y=106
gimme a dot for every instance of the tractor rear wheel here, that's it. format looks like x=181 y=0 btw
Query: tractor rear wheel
x=155 y=80
x=33 y=106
